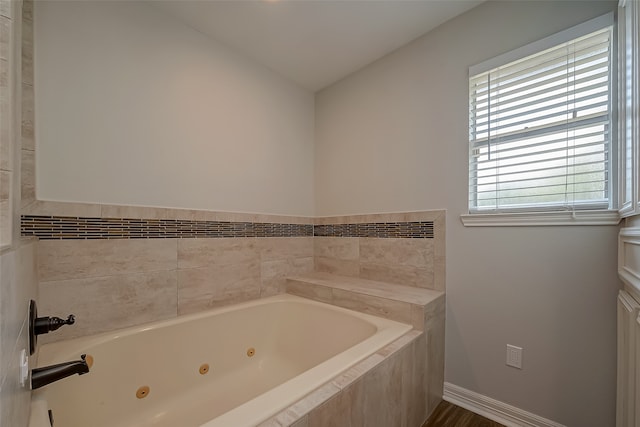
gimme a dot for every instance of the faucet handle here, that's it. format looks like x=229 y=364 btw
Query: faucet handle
x=48 y=324
x=71 y=319
x=43 y=325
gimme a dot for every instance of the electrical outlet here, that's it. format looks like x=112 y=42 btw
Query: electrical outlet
x=514 y=356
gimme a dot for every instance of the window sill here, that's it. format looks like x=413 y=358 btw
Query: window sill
x=522 y=219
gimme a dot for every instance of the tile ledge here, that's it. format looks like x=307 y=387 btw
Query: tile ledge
x=386 y=290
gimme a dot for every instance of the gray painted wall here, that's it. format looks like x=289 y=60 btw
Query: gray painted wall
x=393 y=137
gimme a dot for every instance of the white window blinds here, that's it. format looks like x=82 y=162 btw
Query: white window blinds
x=539 y=129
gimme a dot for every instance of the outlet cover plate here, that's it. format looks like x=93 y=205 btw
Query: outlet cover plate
x=514 y=356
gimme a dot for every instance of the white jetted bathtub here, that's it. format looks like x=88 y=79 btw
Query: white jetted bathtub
x=229 y=367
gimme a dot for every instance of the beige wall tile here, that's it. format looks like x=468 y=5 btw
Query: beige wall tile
x=279 y=219
x=27 y=10
x=28 y=177
x=280 y=248
x=27 y=67
x=410 y=262
x=5 y=184
x=183 y=214
x=204 y=288
x=425 y=215
x=402 y=275
x=417 y=411
x=439 y=273
x=5 y=8
x=28 y=142
x=16 y=399
x=434 y=312
x=27 y=37
x=285 y=418
x=417 y=317
x=303 y=422
x=27 y=28
x=308 y=403
x=5 y=37
x=73 y=259
x=116 y=211
x=19 y=285
x=343 y=409
x=394 y=252
x=400 y=343
x=126 y=211
x=43 y=207
x=4 y=78
x=358 y=371
x=108 y=303
x=5 y=149
x=27 y=57
x=440 y=233
x=273 y=274
x=390 y=391
x=6 y=127
x=202 y=215
x=435 y=364
x=195 y=253
x=314 y=292
x=271 y=422
x=337 y=266
x=6 y=222
x=344 y=248
x=382 y=217
x=383 y=397
x=28 y=118
x=381 y=307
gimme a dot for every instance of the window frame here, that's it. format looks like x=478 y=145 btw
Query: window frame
x=556 y=216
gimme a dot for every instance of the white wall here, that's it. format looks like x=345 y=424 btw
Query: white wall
x=393 y=137
x=135 y=108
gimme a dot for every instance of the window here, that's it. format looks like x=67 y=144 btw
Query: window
x=540 y=125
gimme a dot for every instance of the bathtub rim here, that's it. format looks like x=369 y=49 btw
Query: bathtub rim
x=270 y=403
x=59 y=351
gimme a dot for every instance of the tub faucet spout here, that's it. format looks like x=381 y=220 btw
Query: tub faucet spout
x=48 y=374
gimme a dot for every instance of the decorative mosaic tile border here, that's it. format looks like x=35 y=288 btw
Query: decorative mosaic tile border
x=63 y=227
x=59 y=227
x=411 y=230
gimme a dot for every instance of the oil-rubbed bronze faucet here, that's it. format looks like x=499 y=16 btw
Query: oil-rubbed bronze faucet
x=48 y=374
x=43 y=325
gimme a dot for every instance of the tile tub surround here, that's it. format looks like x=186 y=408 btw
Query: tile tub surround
x=382 y=390
x=403 y=248
x=19 y=285
x=423 y=308
x=111 y=284
x=389 y=388
x=389 y=257
x=130 y=267
x=396 y=302
x=18 y=278
x=27 y=146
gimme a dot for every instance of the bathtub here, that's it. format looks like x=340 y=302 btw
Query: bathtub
x=233 y=366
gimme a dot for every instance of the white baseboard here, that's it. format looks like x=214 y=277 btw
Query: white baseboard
x=493 y=409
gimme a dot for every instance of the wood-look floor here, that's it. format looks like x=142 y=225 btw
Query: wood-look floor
x=449 y=415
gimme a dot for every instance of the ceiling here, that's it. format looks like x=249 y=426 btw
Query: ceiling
x=315 y=42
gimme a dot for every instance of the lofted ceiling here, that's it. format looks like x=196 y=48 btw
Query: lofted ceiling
x=315 y=42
